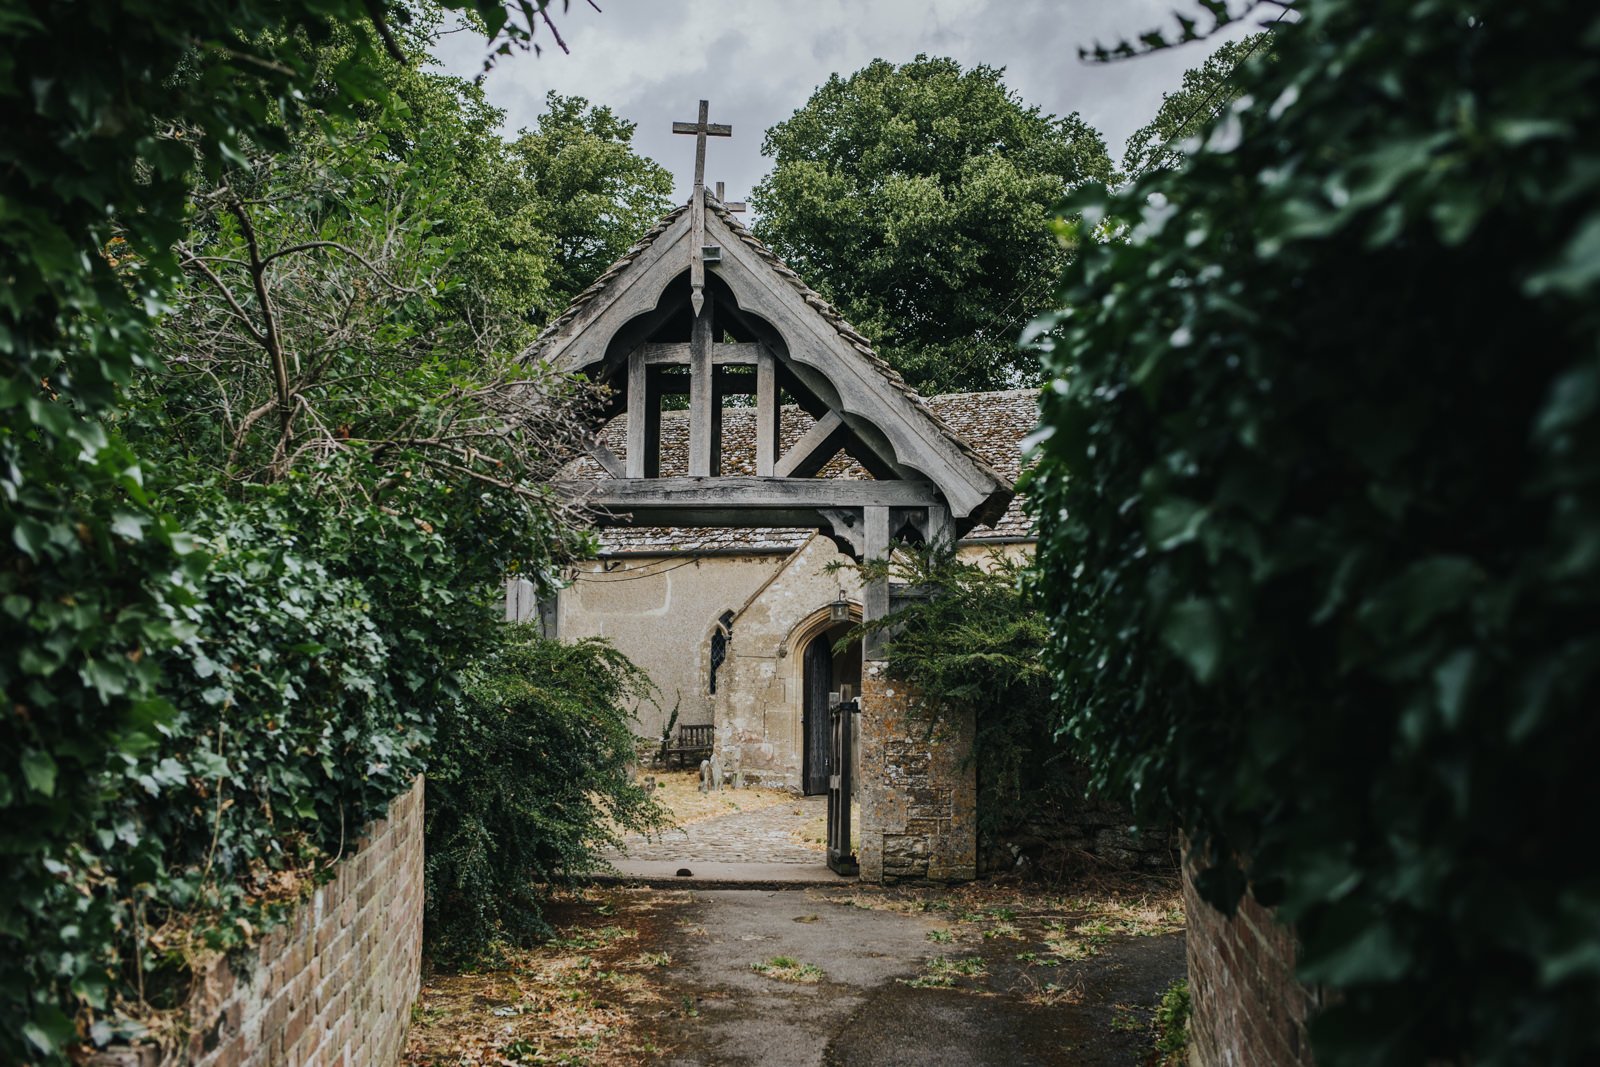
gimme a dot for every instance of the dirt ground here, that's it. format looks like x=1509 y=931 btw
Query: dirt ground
x=981 y=974
x=679 y=792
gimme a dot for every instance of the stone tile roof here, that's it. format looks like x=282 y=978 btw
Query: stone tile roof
x=558 y=326
x=994 y=424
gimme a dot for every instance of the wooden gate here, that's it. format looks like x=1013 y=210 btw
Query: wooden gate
x=818 y=680
x=841 y=849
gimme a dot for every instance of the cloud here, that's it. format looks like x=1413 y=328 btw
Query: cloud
x=757 y=61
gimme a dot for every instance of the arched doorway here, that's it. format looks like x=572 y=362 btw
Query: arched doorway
x=825 y=672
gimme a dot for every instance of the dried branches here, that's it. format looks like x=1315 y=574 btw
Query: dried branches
x=312 y=339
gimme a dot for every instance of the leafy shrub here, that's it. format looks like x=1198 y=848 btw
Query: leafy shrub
x=975 y=642
x=1319 y=511
x=531 y=778
x=1171 y=1024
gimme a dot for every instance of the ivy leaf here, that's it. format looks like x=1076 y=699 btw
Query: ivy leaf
x=39 y=768
x=1194 y=631
x=1424 y=591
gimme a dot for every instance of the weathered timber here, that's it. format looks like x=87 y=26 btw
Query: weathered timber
x=723 y=353
x=602 y=454
x=701 y=129
x=673 y=352
x=847 y=529
x=767 y=415
x=703 y=441
x=863 y=394
x=815 y=447
x=874 y=593
x=637 y=399
x=710 y=129
x=626 y=494
x=736 y=206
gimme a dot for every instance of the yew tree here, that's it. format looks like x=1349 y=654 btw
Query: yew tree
x=917 y=198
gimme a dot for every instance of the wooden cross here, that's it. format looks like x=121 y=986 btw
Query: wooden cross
x=697 y=266
x=736 y=206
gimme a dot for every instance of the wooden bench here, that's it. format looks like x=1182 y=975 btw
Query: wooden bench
x=692 y=741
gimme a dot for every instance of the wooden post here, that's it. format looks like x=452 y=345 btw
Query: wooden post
x=875 y=594
x=767 y=413
x=701 y=396
x=637 y=400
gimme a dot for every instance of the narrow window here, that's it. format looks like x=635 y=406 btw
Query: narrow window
x=719 y=646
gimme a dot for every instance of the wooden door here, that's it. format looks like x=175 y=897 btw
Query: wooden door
x=816 y=729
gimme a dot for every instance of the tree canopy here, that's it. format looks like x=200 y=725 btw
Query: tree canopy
x=1189 y=111
x=916 y=198
x=1319 y=501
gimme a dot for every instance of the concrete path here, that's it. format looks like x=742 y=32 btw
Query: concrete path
x=872 y=1003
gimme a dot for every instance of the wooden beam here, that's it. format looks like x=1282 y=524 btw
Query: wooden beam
x=606 y=458
x=847 y=528
x=701 y=395
x=733 y=384
x=767 y=414
x=632 y=299
x=736 y=353
x=658 y=353
x=863 y=392
x=722 y=494
x=638 y=398
x=713 y=129
x=813 y=450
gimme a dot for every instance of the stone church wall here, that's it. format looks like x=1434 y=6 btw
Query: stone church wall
x=761 y=688
x=661 y=611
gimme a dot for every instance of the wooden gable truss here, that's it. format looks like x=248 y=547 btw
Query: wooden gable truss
x=761 y=333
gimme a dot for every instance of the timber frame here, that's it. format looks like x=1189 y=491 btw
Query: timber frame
x=700 y=308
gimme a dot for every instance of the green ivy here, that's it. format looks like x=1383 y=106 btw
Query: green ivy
x=1319 y=502
x=973 y=641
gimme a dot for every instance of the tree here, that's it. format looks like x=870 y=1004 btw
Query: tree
x=1319 y=501
x=1188 y=113
x=917 y=198
x=595 y=195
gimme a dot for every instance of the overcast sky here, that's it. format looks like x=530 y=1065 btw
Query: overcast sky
x=757 y=61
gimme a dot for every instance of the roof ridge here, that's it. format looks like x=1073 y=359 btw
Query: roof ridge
x=593 y=289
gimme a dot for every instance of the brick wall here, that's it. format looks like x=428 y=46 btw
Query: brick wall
x=1248 y=1009
x=331 y=986
x=918 y=793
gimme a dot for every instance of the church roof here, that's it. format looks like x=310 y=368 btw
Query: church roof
x=905 y=430
x=993 y=423
x=568 y=318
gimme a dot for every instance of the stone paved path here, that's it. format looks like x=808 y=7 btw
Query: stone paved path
x=766 y=835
